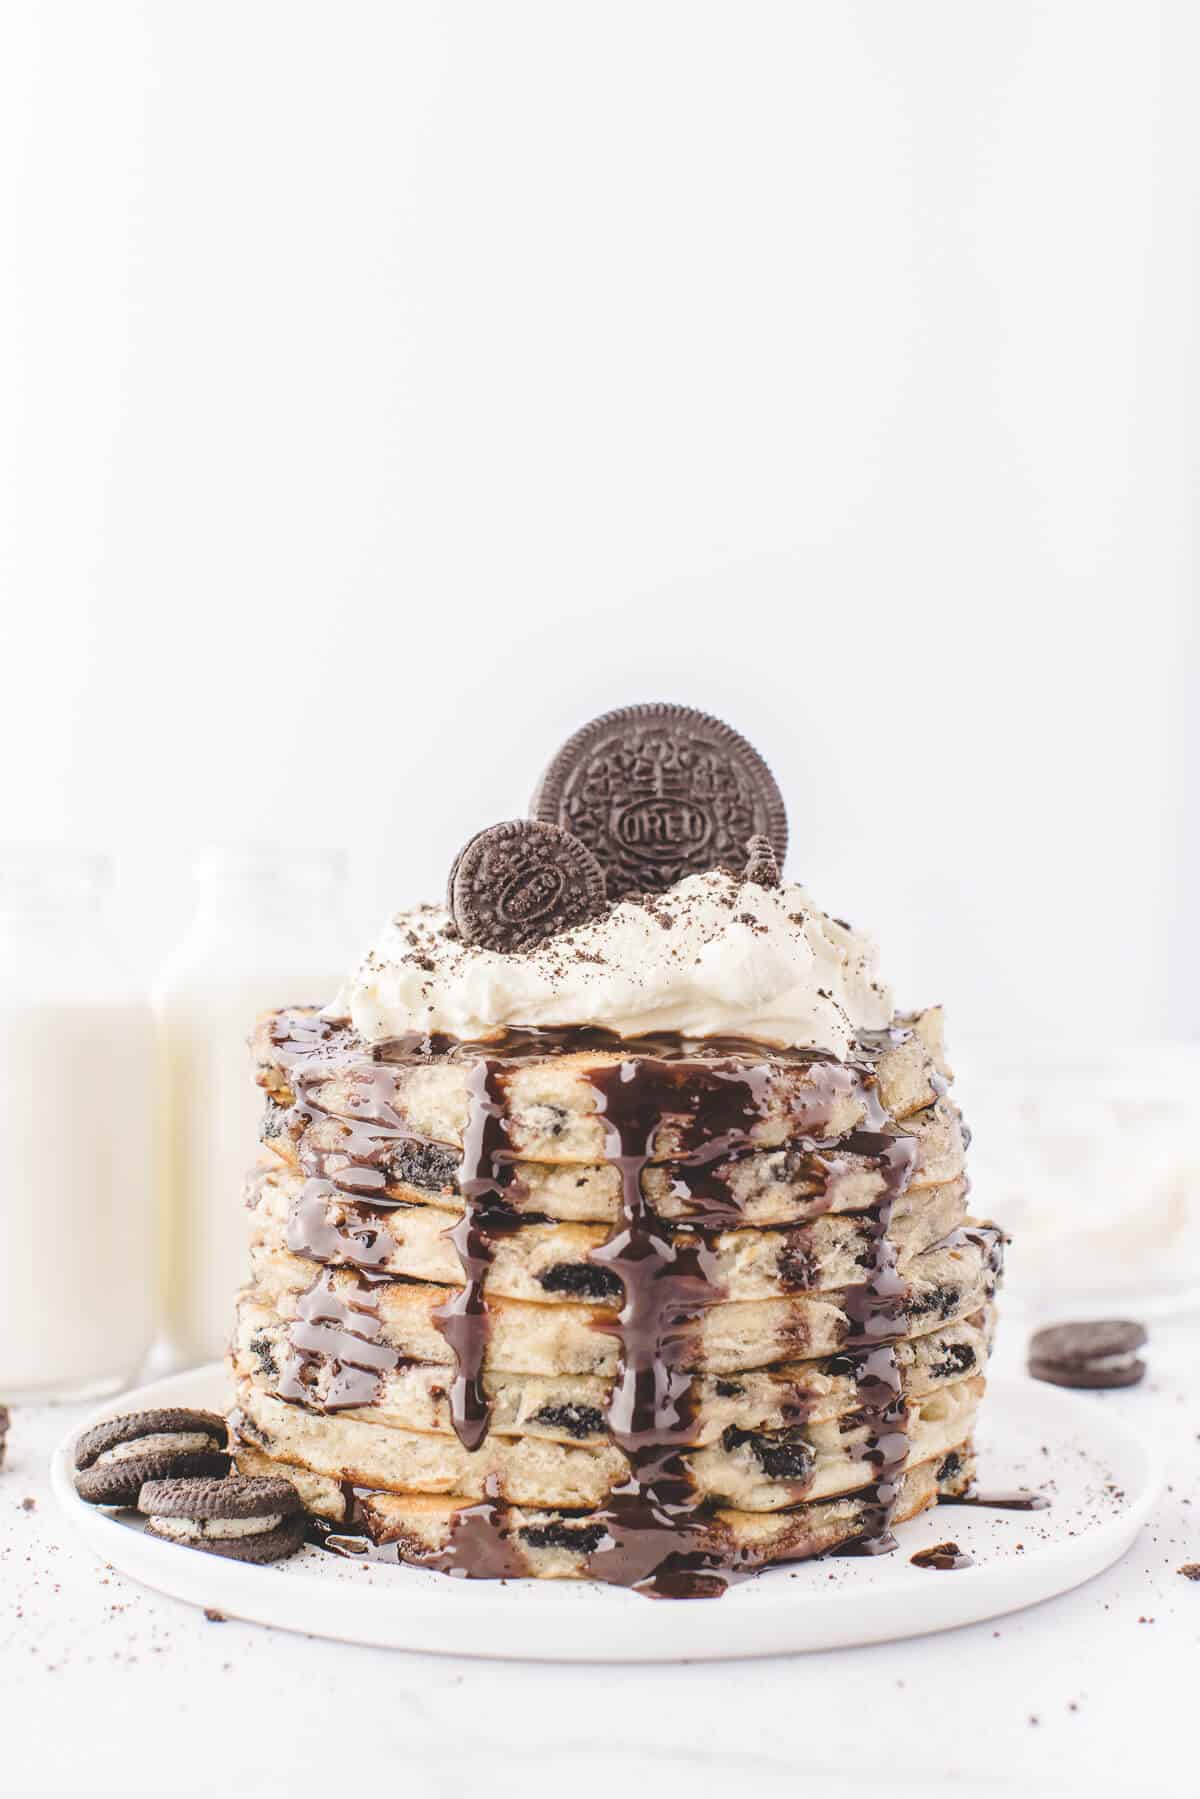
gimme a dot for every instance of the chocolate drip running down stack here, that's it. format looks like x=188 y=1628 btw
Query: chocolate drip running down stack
x=653 y=1309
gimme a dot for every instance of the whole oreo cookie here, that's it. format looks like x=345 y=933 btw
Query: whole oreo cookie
x=1103 y=1353
x=115 y=1457
x=657 y=792
x=518 y=883
x=245 y=1518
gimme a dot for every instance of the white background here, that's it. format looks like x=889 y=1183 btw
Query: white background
x=385 y=389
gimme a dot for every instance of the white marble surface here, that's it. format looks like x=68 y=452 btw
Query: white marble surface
x=109 y=1689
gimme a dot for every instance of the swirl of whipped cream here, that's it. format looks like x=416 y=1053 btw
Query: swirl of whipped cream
x=714 y=956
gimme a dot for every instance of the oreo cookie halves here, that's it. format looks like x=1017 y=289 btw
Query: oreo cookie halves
x=247 y=1518
x=116 y=1457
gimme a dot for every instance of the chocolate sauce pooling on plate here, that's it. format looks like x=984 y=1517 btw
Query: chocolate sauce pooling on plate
x=1019 y=1500
x=943 y=1556
x=658 y=1537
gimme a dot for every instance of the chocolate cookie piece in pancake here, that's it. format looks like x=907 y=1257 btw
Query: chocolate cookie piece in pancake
x=516 y=884
x=114 y=1458
x=658 y=792
x=1100 y=1353
x=249 y=1519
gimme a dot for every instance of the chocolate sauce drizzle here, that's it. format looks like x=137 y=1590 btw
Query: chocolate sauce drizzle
x=658 y=1536
x=308 y=1041
x=368 y=1128
x=479 y=1546
x=1019 y=1500
x=340 y=1328
x=654 y=1516
x=311 y=1233
x=463 y=1320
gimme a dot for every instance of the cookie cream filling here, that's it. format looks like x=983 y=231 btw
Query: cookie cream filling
x=713 y=956
x=175 y=1442
x=191 y=1530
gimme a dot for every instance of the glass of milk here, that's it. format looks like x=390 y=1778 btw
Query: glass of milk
x=268 y=931
x=79 y=1250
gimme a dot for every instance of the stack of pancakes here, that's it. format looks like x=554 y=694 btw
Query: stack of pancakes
x=649 y=1312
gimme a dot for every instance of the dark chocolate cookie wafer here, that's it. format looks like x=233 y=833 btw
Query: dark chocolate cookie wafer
x=517 y=883
x=250 y=1519
x=115 y=1457
x=657 y=792
x=1103 y=1353
x=5 y=1420
x=761 y=866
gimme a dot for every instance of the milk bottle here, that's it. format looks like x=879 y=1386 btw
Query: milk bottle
x=78 y=1220
x=268 y=931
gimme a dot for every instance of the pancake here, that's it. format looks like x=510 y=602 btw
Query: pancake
x=456 y=1534
x=951 y=1280
x=550 y=1262
x=753 y=1471
x=352 y=1106
x=791 y=1184
x=314 y=1365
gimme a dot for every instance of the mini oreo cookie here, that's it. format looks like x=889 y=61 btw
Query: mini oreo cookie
x=761 y=866
x=247 y=1518
x=116 y=1457
x=1102 y=1353
x=516 y=884
x=657 y=792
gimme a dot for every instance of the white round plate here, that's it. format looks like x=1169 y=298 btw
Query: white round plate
x=1101 y=1478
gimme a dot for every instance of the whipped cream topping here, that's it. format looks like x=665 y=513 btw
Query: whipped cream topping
x=714 y=956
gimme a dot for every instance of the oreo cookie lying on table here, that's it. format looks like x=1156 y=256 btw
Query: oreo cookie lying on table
x=657 y=792
x=247 y=1518
x=115 y=1458
x=1101 y=1353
